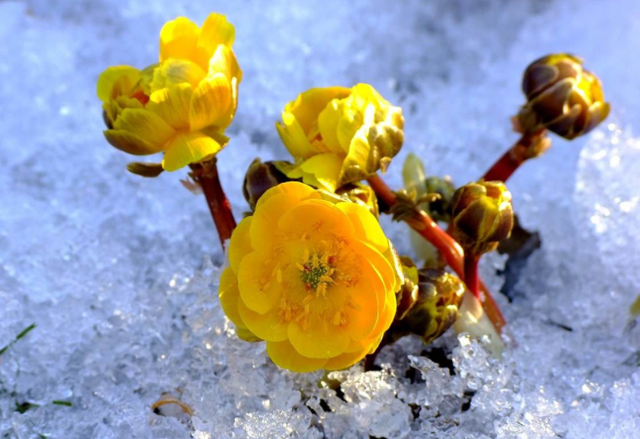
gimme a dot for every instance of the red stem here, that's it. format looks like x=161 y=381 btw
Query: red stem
x=206 y=174
x=448 y=246
x=471 y=277
x=528 y=146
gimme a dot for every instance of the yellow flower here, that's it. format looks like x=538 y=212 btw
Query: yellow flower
x=339 y=135
x=180 y=106
x=315 y=280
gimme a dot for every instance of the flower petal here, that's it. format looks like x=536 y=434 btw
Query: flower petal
x=255 y=280
x=175 y=71
x=127 y=76
x=313 y=218
x=265 y=220
x=367 y=228
x=178 y=39
x=189 y=148
x=293 y=137
x=308 y=106
x=216 y=30
x=240 y=244
x=381 y=265
x=211 y=103
x=130 y=143
x=297 y=190
x=362 y=311
x=224 y=61
x=172 y=104
x=347 y=359
x=267 y=326
x=328 y=125
x=322 y=171
x=146 y=125
x=285 y=356
x=230 y=296
x=320 y=339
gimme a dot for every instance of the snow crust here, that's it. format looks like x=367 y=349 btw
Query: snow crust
x=120 y=273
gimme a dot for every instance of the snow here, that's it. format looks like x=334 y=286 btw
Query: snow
x=120 y=273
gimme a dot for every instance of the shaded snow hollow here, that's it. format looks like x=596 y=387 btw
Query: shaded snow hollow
x=120 y=273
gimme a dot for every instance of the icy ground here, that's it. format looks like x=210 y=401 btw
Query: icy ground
x=120 y=273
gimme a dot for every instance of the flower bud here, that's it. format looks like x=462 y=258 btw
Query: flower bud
x=482 y=215
x=261 y=177
x=434 y=301
x=339 y=135
x=433 y=194
x=361 y=194
x=562 y=97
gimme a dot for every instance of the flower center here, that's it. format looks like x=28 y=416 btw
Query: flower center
x=316 y=272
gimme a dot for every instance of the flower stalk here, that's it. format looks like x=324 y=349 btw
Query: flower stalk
x=206 y=175
x=527 y=147
x=423 y=224
x=471 y=277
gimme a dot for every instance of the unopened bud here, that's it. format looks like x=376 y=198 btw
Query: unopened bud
x=261 y=177
x=561 y=97
x=434 y=307
x=361 y=194
x=482 y=216
x=433 y=194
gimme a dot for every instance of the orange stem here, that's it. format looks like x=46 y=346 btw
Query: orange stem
x=449 y=247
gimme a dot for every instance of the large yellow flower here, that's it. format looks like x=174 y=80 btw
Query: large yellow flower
x=316 y=280
x=183 y=104
x=339 y=135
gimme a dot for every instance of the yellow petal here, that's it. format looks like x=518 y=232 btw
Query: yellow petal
x=347 y=359
x=328 y=125
x=315 y=217
x=172 y=104
x=178 y=39
x=265 y=220
x=363 y=310
x=321 y=339
x=175 y=71
x=267 y=326
x=321 y=171
x=211 y=103
x=145 y=125
x=240 y=244
x=216 y=30
x=378 y=262
x=367 y=227
x=294 y=138
x=230 y=296
x=297 y=190
x=258 y=290
x=285 y=356
x=308 y=106
x=127 y=76
x=130 y=143
x=188 y=148
x=224 y=61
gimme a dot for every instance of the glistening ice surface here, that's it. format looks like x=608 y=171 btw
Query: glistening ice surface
x=120 y=273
